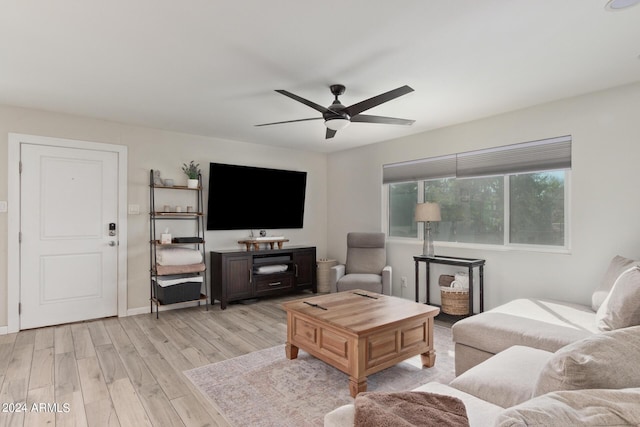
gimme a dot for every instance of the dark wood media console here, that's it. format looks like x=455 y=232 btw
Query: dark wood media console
x=239 y=275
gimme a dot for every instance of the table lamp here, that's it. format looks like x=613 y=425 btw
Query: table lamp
x=427 y=212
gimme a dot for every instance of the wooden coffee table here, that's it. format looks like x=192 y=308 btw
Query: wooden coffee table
x=360 y=332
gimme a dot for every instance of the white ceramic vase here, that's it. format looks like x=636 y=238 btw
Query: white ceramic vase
x=192 y=183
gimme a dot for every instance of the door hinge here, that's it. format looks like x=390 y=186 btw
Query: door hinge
x=19 y=167
x=19 y=236
x=19 y=308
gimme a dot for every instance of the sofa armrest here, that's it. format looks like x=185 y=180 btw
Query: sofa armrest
x=336 y=272
x=386 y=280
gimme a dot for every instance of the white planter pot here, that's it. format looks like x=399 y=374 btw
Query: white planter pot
x=192 y=183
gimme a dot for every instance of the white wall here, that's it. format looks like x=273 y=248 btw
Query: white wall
x=166 y=151
x=604 y=200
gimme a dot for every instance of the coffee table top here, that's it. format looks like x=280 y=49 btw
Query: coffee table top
x=359 y=311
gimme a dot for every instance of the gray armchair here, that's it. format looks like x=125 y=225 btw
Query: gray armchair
x=365 y=267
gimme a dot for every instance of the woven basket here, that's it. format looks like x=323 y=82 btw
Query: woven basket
x=324 y=274
x=454 y=301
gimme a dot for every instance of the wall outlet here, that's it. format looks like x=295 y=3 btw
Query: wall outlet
x=403 y=282
x=134 y=210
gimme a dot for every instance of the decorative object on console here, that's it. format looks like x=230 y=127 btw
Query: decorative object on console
x=427 y=212
x=192 y=170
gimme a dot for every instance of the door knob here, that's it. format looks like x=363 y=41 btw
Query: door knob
x=112 y=243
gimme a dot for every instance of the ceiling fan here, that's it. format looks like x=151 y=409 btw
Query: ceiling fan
x=337 y=116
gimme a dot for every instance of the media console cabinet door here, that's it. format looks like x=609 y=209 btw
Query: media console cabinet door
x=237 y=277
x=305 y=262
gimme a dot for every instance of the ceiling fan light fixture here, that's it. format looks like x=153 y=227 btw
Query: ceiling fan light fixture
x=620 y=4
x=337 y=123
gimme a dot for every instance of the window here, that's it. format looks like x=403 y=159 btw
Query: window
x=402 y=204
x=513 y=195
x=472 y=209
x=536 y=206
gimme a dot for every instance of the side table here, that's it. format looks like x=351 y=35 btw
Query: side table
x=469 y=263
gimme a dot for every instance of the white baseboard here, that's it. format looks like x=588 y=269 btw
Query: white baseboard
x=146 y=309
x=4 y=330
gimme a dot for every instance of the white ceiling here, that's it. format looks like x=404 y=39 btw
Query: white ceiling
x=210 y=67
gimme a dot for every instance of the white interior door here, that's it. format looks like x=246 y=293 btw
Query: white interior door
x=68 y=260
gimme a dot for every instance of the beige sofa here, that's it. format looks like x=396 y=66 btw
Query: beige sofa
x=543 y=362
x=593 y=381
x=549 y=325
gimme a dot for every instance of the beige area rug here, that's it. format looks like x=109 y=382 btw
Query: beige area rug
x=264 y=388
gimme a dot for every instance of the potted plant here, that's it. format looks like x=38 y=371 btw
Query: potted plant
x=192 y=171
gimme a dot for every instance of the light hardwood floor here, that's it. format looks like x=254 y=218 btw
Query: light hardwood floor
x=128 y=371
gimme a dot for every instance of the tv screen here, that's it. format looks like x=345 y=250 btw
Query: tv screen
x=245 y=198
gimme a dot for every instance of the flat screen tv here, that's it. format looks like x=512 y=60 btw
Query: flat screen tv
x=246 y=198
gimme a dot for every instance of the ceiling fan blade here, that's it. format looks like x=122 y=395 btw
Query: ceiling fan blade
x=364 y=118
x=289 y=121
x=358 y=108
x=313 y=105
x=330 y=133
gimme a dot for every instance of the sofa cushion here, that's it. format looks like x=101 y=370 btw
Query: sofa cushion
x=606 y=360
x=507 y=378
x=617 y=265
x=544 y=324
x=576 y=408
x=621 y=308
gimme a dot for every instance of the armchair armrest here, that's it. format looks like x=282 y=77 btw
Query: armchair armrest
x=386 y=280
x=336 y=272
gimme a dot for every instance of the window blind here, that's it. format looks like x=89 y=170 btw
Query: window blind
x=418 y=170
x=534 y=156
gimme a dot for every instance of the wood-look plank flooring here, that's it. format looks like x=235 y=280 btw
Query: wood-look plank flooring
x=128 y=371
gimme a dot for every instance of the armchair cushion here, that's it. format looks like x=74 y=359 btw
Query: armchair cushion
x=369 y=282
x=366 y=253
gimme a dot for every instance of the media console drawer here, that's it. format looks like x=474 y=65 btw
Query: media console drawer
x=271 y=282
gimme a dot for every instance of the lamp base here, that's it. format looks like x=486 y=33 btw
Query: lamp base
x=427 y=245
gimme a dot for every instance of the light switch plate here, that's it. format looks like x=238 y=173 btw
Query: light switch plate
x=3 y=205
x=134 y=210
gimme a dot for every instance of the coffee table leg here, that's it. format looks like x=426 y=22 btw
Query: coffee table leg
x=428 y=358
x=357 y=385
x=291 y=351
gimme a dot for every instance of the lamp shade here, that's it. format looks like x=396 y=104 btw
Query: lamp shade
x=427 y=212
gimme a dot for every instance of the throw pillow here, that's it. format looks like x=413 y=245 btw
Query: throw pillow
x=576 y=408
x=606 y=360
x=617 y=265
x=621 y=308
